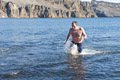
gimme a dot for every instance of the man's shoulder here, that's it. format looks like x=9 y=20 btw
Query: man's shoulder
x=80 y=27
x=71 y=28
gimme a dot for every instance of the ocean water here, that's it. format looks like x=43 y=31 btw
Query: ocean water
x=33 y=49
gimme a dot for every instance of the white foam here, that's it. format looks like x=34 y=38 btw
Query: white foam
x=89 y=52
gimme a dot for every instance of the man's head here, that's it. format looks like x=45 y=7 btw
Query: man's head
x=74 y=23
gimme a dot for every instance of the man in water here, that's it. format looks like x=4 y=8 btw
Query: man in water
x=78 y=35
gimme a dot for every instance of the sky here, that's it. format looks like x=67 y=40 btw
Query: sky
x=115 y=1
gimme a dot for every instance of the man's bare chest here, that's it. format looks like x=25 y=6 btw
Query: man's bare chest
x=76 y=32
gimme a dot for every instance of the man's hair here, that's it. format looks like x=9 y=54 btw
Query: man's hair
x=74 y=22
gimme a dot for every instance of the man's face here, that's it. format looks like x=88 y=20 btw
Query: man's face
x=74 y=25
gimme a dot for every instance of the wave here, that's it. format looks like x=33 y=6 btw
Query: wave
x=12 y=74
x=5 y=50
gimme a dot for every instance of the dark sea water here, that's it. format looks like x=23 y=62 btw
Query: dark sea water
x=33 y=49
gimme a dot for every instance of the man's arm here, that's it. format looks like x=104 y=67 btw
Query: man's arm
x=84 y=34
x=68 y=36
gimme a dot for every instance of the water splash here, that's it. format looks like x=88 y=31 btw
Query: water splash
x=67 y=47
x=84 y=52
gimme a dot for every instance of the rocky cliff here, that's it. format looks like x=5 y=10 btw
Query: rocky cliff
x=45 y=9
x=106 y=9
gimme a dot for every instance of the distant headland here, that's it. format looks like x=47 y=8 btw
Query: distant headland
x=57 y=9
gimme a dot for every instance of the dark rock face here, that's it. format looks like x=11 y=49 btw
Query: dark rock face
x=106 y=9
x=12 y=10
x=52 y=9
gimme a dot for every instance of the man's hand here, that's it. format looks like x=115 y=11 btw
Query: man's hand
x=65 y=43
x=83 y=38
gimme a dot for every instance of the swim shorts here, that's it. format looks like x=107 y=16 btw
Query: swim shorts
x=79 y=46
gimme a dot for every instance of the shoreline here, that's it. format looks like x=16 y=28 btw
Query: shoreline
x=60 y=18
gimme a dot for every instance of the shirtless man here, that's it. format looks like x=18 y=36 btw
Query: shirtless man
x=78 y=35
